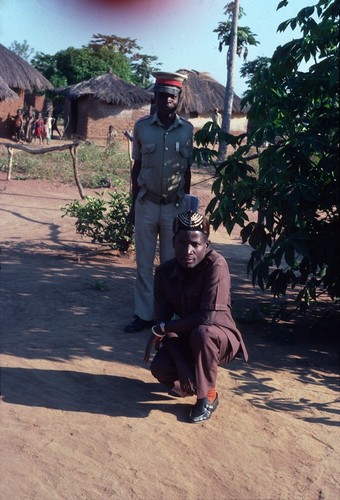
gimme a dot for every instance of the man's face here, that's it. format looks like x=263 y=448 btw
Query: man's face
x=166 y=103
x=190 y=248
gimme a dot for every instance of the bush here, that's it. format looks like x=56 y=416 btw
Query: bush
x=105 y=222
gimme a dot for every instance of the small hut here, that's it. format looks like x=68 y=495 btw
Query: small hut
x=201 y=95
x=93 y=105
x=22 y=79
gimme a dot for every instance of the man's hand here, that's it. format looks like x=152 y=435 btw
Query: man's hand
x=153 y=341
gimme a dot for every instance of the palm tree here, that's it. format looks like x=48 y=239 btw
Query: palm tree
x=237 y=40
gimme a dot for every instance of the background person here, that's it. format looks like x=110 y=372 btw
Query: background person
x=194 y=288
x=217 y=117
x=111 y=137
x=39 y=128
x=19 y=126
x=160 y=177
x=30 y=117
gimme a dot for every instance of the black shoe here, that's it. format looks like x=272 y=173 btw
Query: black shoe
x=137 y=325
x=202 y=410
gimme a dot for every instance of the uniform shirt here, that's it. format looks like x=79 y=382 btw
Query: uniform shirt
x=206 y=287
x=165 y=154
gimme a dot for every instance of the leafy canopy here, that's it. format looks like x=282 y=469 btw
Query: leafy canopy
x=295 y=115
x=103 y=53
x=245 y=36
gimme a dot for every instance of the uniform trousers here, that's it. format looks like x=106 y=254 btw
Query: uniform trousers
x=152 y=220
x=204 y=349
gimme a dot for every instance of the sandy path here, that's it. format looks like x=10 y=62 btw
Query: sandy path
x=82 y=417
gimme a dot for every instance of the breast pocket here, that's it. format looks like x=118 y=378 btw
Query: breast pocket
x=182 y=158
x=148 y=151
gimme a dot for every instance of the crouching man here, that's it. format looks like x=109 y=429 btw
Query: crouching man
x=195 y=331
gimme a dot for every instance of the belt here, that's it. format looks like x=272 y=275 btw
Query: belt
x=161 y=199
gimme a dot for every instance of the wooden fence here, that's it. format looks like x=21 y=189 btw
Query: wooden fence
x=73 y=152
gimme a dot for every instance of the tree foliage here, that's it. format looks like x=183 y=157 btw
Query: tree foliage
x=142 y=67
x=114 y=43
x=72 y=65
x=103 y=53
x=245 y=36
x=295 y=114
x=22 y=49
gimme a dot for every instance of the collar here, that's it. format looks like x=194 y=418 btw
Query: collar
x=155 y=120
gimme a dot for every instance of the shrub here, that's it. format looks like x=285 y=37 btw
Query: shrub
x=104 y=221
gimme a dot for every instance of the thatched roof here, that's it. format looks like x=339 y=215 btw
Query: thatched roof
x=111 y=89
x=202 y=94
x=19 y=74
x=6 y=94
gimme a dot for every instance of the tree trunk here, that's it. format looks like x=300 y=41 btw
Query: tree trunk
x=229 y=93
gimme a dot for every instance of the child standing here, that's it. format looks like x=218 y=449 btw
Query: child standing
x=47 y=132
x=49 y=119
x=111 y=137
x=39 y=128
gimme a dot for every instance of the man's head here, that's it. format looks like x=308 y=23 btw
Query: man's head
x=191 y=238
x=167 y=88
x=168 y=83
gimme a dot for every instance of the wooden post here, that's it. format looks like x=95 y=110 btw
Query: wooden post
x=73 y=151
x=10 y=162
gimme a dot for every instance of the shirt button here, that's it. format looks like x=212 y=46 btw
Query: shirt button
x=166 y=149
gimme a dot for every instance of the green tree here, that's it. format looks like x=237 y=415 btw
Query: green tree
x=47 y=65
x=249 y=68
x=71 y=66
x=142 y=67
x=103 y=53
x=22 y=49
x=114 y=43
x=297 y=184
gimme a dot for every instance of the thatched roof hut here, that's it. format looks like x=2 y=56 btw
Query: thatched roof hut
x=19 y=74
x=19 y=84
x=202 y=94
x=6 y=94
x=93 y=105
x=111 y=89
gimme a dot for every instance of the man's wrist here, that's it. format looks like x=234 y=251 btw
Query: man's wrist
x=153 y=329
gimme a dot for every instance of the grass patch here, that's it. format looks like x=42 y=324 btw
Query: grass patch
x=98 y=166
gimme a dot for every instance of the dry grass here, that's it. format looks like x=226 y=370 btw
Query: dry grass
x=98 y=166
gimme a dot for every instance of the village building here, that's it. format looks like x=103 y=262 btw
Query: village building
x=201 y=95
x=92 y=106
x=26 y=86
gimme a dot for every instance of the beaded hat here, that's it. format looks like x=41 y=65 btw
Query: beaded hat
x=191 y=221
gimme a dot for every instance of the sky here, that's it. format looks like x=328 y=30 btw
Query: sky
x=178 y=32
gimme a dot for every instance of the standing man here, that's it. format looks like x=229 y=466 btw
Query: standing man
x=160 y=177
x=217 y=117
x=194 y=331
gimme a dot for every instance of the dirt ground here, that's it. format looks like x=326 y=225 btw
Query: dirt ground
x=81 y=415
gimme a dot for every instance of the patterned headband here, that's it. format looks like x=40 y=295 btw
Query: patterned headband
x=191 y=221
